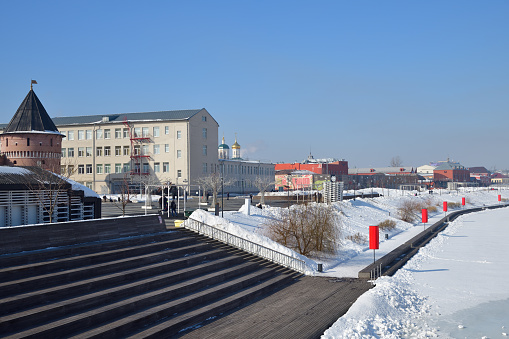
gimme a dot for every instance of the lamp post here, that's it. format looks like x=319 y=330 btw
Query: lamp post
x=222 y=190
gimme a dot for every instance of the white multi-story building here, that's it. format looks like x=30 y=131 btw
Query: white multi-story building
x=105 y=151
x=243 y=173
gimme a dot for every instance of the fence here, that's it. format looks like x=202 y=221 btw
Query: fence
x=246 y=245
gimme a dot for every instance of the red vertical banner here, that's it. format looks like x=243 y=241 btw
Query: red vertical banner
x=424 y=215
x=499 y=197
x=445 y=206
x=373 y=238
x=463 y=201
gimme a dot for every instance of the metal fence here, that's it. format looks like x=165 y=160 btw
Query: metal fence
x=246 y=245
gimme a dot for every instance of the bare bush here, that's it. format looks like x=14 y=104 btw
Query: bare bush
x=432 y=209
x=409 y=209
x=453 y=204
x=308 y=229
x=387 y=225
x=358 y=238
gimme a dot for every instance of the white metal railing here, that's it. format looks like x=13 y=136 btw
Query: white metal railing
x=246 y=245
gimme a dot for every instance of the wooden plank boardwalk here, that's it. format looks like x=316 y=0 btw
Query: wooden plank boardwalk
x=304 y=309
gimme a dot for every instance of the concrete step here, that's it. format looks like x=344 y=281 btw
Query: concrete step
x=194 y=255
x=136 y=321
x=65 y=308
x=67 y=276
x=145 y=303
x=45 y=267
x=31 y=257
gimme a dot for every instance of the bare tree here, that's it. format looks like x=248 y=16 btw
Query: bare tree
x=396 y=161
x=213 y=183
x=50 y=189
x=310 y=229
x=125 y=194
x=263 y=183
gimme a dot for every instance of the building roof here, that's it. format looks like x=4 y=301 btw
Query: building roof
x=474 y=170
x=449 y=166
x=120 y=117
x=380 y=170
x=31 y=116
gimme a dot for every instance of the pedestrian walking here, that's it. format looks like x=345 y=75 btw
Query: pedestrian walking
x=173 y=207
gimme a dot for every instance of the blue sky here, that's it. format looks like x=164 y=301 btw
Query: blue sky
x=359 y=80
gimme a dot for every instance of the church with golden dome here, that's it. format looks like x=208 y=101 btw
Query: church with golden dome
x=242 y=172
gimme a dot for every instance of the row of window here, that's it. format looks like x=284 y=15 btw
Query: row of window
x=123 y=133
x=120 y=150
x=239 y=169
x=119 y=168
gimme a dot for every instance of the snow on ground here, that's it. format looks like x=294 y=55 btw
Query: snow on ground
x=455 y=287
x=357 y=215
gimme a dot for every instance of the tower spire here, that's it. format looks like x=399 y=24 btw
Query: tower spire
x=32 y=82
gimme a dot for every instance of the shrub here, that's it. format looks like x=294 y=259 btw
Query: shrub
x=408 y=210
x=453 y=204
x=308 y=229
x=432 y=209
x=358 y=238
x=387 y=225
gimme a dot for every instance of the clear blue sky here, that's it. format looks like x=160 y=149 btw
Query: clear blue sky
x=359 y=80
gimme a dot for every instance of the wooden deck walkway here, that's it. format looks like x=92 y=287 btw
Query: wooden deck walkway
x=304 y=309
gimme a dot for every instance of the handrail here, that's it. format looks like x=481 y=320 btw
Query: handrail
x=267 y=253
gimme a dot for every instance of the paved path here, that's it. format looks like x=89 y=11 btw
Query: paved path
x=304 y=309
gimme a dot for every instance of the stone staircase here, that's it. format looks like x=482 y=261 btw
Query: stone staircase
x=154 y=285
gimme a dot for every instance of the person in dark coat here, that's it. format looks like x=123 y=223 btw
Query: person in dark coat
x=173 y=207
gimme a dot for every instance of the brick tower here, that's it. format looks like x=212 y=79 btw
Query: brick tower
x=31 y=138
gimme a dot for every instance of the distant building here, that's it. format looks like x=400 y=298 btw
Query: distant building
x=31 y=138
x=387 y=177
x=242 y=172
x=499 y=179
x=480 y=175
x=450 y=172
x=300 y=180
x=319 y=166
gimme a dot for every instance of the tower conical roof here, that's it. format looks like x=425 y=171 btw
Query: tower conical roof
x=31 y=116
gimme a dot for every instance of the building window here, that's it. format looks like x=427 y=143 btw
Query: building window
x=81 y=169
x=107 y=168
x=107 y=134
x=166 y=148
x=137 y=150
x=81 y=134
x=166 y=129
x=144 y=150
x=89 y=151
x=126 y=133
x=89 y=169
x=179 y=173
x=157 y=167
x=107 y=151
x=204 y=150
x=204 y=133
x=146 y=169
x=127 y=167
x=63 y=153
x=28 y=141
x=144 y=132
x=118 y=133
x=137 y=132
x=70 y=152
x=166 y=167
x=99 y=169
x=81 y=151
x=204 y=167
x=179 y=154
x=70 y=170
x=118 y=168
x=88 y=134
x=203 y=118
x=99 y=134
x=179 y=134
x=156 y=149
x=70 y=135
x=156 y=132
x=118 y=151
x=98 y=151
x=126 y=150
